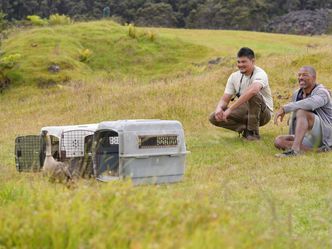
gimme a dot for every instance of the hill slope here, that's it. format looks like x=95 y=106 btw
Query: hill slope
x=114 y=53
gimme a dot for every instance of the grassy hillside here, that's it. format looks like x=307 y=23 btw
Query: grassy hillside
x=114 y=53
x=235 y=194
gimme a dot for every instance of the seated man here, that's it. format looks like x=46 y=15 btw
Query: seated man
x=254 y=105
x=311 y=122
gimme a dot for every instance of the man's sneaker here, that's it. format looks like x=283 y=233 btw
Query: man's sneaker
x=324 y=148
x=288 y=153
x=251 y=135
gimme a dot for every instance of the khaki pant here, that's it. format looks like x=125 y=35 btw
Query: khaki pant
x=250 y=115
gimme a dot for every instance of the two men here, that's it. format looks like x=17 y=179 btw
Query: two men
x=311 y=108
x=254 y=105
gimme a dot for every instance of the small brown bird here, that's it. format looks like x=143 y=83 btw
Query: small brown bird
x=55 y=170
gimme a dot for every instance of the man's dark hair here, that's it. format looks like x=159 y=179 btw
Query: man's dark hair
x=246 y=52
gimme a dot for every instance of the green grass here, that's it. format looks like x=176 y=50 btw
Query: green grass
x=235 y=194
x=228 y=41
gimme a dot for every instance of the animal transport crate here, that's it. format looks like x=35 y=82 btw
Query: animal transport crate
x=147 y=151
x=68 y=143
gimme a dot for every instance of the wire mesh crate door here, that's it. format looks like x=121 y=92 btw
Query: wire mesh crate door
x=73 y=142
x=27 y=151
x=76 y=145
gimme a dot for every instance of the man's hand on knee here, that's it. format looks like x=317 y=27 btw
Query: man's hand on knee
x=219 y=113
x=226 y=114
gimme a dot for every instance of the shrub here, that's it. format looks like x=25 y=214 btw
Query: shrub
x=132 y=32
x=6 y=62
x=9 y=61
x=37 y=21
x=57 y=19
x=85 y=55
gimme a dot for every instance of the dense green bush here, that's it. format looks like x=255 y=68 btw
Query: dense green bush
x=37 y=20
x=7 y=63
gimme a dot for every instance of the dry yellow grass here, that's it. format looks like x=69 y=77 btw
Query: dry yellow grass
x=235 y=194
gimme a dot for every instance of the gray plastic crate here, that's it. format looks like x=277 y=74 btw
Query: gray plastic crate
x=147 y=151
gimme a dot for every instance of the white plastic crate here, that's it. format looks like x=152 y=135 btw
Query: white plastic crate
x=68 y=143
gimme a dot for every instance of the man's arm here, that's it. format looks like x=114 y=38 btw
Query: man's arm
x=251 y=91
x=222 y=106
x=319 y=99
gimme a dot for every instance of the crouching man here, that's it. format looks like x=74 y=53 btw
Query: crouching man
x=254 y=105
x=311 y=121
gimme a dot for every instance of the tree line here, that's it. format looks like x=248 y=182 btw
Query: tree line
x=210 y=14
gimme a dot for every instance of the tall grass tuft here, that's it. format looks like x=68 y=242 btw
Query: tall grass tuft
x=85 y=55
x=57 y=19
x=132 y=32
x=151 y=35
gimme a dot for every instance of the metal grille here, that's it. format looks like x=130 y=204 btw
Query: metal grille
x=27 y=150
x=72 y=142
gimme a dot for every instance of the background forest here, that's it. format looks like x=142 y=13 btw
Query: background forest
x=206 y=14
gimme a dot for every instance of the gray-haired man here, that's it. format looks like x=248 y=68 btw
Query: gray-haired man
x=311 y=122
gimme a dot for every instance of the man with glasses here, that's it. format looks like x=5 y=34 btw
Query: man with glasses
x=254 y=105
x=311 y=122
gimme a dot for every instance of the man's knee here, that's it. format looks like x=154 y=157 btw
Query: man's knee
x=230 y=125
x=212 y=119
x=307 y=115
x=257 y=98
x=278 y=142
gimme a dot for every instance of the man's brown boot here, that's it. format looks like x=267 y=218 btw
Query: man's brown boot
x=251 y=135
